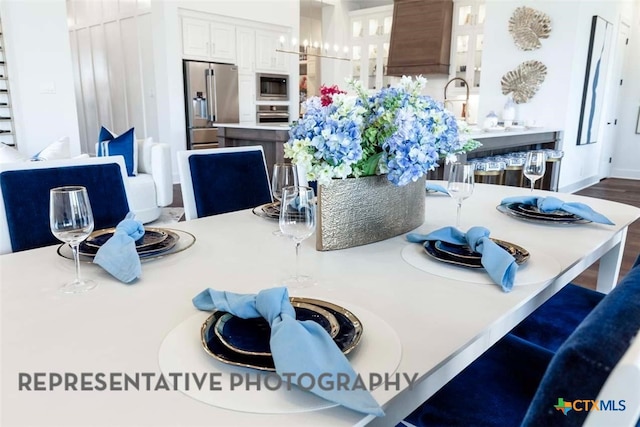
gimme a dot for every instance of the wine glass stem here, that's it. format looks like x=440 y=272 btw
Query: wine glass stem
x=532 y=184
x=297 y=259
x=76 y=258
x=458 y=214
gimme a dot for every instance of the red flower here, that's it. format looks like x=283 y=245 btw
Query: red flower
x=327 y=92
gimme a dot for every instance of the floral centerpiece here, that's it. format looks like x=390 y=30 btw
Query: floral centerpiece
x=395 y=131
x=388 y=141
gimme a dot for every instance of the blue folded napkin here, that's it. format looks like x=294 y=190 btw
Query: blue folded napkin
x=297 y=347
x=118 y=255
x=550 y=204
x=436 y=187
x=500 y=265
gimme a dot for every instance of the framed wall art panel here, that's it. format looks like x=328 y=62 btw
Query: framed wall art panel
x=594 y=81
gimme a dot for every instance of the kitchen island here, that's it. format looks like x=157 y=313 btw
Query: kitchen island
x=270 y=136
x=501 y=142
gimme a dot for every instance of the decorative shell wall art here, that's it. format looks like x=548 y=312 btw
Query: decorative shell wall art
x=528 y=26
x=524 y=81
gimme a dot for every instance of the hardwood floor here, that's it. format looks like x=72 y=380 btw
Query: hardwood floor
x=177 y=197
x=618 y=190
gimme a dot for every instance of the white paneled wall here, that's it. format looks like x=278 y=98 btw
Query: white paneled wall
x=112 y=50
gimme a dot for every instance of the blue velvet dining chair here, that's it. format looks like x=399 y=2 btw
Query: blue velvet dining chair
x=517 y=382
x=552 y=323
x=220 y=180
x=24 y=197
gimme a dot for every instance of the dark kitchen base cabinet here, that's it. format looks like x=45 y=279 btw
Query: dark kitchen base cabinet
x=271 y=140
x=494 y=144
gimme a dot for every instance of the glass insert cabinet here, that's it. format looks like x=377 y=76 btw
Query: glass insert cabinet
x=467 y=43
x=370 y=35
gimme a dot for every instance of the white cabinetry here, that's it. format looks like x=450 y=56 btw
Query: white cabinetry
x=247 y=98
x=370 y=35
x=267 y=59
x=467 y=40
x=208 y=40
x=195 y=37
x=246 y=39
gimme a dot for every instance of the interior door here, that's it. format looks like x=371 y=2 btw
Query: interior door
x=611 y=129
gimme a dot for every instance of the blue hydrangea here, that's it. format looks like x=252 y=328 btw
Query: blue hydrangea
x=328 y=140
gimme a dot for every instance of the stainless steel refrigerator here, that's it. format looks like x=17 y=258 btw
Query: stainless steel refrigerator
x=211 y=96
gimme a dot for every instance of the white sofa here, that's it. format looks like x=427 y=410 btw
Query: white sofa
x=152 y=186
x=148 y=191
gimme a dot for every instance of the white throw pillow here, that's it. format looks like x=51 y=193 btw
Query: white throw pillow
x=55 y=151
x=9 y=154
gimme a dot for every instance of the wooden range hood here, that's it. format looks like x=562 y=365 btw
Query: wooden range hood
x=420 y=37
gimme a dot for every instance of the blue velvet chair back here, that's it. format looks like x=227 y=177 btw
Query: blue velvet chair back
x=584 y=361
x=25 y=193
x=226 y=180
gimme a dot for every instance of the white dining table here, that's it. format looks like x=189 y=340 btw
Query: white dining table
x=442 y=324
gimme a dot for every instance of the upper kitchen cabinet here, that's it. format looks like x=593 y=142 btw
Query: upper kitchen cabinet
x=467 y=42
x=267 y=59
x=370 y=35
x=208 y=40
x=246 y=38
x=420 y=37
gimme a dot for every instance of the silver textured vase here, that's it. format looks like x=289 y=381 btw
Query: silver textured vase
x=357 y=211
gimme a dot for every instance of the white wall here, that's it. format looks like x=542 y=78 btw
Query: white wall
x=557 y=102
x=114 y=71
x=39 y=65
x=626 y=153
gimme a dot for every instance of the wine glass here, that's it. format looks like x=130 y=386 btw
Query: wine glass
x=298 y=221
x=460 y=184
x=284 y=175
x=71 y=221
x=534 y=166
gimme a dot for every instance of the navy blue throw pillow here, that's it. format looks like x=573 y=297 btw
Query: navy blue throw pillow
x=123 y=145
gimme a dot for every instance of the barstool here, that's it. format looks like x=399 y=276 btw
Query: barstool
x=553 y=157
x=489 y=172
x=513 y=176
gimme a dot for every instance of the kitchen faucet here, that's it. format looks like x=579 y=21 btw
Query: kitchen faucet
x=465 y=105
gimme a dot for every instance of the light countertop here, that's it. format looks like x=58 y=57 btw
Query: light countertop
x=475 y=133
x=482 y=134
x=256 y=126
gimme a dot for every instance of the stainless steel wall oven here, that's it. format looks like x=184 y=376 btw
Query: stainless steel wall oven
x=272 y=114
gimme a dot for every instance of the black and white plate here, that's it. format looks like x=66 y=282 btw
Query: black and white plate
x=252 y=336
x=160 y=241
x=347 y=337
x=532 y=213
x=268 y=210
x=463 y=256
